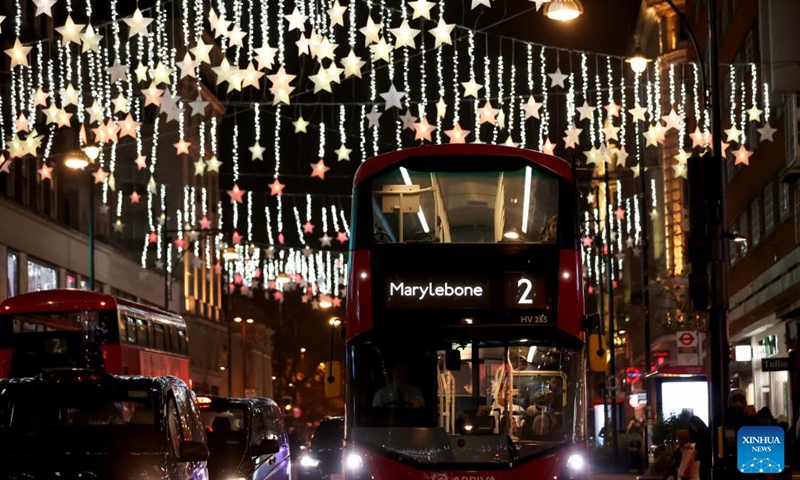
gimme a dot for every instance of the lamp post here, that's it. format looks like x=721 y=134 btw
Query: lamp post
x=563 y=10
x=243 y=346
x=335 y=323
x=79 y=160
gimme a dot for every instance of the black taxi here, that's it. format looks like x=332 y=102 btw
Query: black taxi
x=73 y=424
x=246 y=437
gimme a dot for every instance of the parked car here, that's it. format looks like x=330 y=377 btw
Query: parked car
x=89 y=424
x=247 y=439
x=323 y=457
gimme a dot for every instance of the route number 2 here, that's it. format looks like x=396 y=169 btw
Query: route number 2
x=525 y=298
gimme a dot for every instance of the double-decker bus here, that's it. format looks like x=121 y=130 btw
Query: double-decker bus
x=465 y=322
x=55 y=329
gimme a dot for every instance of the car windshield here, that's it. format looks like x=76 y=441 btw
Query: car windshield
x=467 y=402
x=328 y=435
x=509 y=203
x=78 y=418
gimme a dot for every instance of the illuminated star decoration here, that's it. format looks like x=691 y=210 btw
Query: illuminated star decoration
x=408 y=120
x=423 y=130
x=343 y=153
x=45 y=172
x=212 y=164
x=638 y=113
x=300 y=125
x=422 y=8
x=371 y=32
x=557 y=78
x=134 y=197
x=471 y=88
x=392 y=98
x=137 y=23
x=43 y=7
x=318 y=169
x=336 y=14
x=100 y=176
x=766 y=132
x=341 y=237
x=70 y=32
x=296 y=20
x=182 y=146
x=742 y=156
x=586 y=111
x=442 y=32
x=404 y=35
x=257 y=152
x=612 y=109
x=352 y=65
x=236 y=194
x=18 y=54
x=548 y=147
x=308 y=227
x=276 y=188
x=531 y=108
x=441 y=108
x=373 y=116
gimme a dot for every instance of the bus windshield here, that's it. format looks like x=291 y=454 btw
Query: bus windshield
x=516 y=204
x=467 y=402
x=44 y=341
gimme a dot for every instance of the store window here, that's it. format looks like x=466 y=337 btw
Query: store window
x=755 y=216
x=13 y=274
x=41 y=277
x=743 y=230
x=783 y=202
x=769 y=209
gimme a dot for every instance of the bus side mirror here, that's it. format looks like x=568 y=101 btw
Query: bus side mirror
x=591 y=322
x=452 y=359
x=333 y=379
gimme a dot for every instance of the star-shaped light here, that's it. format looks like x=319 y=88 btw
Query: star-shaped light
x=557 y=78
x=141 y=72
x=223 y=71
x=548 y=147
x=476 y=3
x=404 y=35
x=236 y=36
x=69 y=96
x=651 y=135
x=308 y=227
x=531 y=108
x=325 y=240
x=51 y=113
x=682 y=156
x=422 y=8
x=586 y=111
x=63 y=118
x=44 y=7
x=199 y=167
x=198 y=106
x=134 y=196
x=488 y=113
x=754 y=114
x=638 y=113
x=673 y=120
x=611 y=132
x=45 y=172
x=423 y=130
x=212 y=164
x=205 y=223
x=152 y=95
x=371 y=32
x=636 y=170
x=117 y=72
x=318 y=169
x=352 y=64
x=343 y=153
x=265 y=56
x=471 y=88
x=622 y=157
x=40 y=97
x=118 y=226
x=280 y=86
x=457 y=134
x=380 y=50
x=296 y=20
x=21 y=123
x=408 y=120
x=336 y=14
x=300 y=125
x=392 y=98
x=681 y=170
x=698 y=139
x=100 y=176
x=218 y=24
x=510 y=142
x=766 y=132
x=276 y=188
x=186 y=67
x=742 y=156
x=257 y=152
x=442 y=32
x=128 y=126
x=373 y=116
x=341 y=237
x=95 y=112
x=141 y=162
x=441 y=108
x=572 y=137
x=182 y=146
x=236 y=194
x=70 y=32
x=251 y=76
x=137 y=24
x=201 y=52
x=90 y=40
x=733 y=134
x=321 y=80
x=612 y=109
x=18 y=54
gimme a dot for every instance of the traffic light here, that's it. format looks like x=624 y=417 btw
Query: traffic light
x=706 y=217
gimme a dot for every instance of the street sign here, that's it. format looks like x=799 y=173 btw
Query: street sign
x=775 y=364
x=687 y=339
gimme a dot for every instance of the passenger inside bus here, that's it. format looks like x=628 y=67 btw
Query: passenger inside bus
x=549 y=231
x=399 y=393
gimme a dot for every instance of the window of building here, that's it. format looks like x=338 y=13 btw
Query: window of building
x=783 y=201
x=769 y=210
x=743 y=231
x=755 y=224
x=41 y=277
x=13 y=274
x=725 y=16
x=734 y=250
x=72 y=280
x=797 y=213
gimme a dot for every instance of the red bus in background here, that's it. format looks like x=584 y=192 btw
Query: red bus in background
x=52 y=329
x=465 y=284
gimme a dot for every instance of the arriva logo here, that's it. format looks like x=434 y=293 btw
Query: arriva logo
x=444 y=476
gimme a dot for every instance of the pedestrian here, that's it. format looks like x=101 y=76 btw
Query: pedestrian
x=736 y=416
x=682 y=437
x=700 y=435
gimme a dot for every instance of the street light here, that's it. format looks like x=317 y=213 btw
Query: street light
x=79 y=159
x=334 y=322
x=283 y=279
x=563 y=10
x=230 y=254
x=638 y=61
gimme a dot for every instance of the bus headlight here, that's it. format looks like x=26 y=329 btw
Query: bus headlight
x=307 y=461
x=576 y=462
x=354 y=462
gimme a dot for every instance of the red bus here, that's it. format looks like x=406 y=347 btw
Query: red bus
x=53 y=329
x=465 y=322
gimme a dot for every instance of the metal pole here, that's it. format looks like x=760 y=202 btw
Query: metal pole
x=611 y=325
x=228 y=320
x=717 y=315
x=91 y=233
x=164 y=246
x=244 y=358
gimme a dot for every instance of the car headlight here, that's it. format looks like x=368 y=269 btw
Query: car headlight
x=236 y=478
x=354 y=462
x=307 y=461
x=576 y=462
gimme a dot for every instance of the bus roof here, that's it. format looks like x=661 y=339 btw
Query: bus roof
x=372 y=166
x=73 y=300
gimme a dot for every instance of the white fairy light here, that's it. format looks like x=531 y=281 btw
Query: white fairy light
x=657 y=89
x=570 y=100
x=334 y=218
x=267 y=215
x=456 y=97
x=732 y=98
x=363 y=136
x=308 y=207
x=298 y=225
x=345 y=225
x=500 y=92
x=118 y=212
x=623 y=118
x=599 y=101
x=324 y=219
x=235 y=152
x=440 y=77
x=672 y=84
x=682 y=110
x=276 y=145
x=512 y=95
x=321 y=152
x=342 y=134
x=423 y=82
x=487 y=86
x=279 y=214
x=637 y=218
x=765 y=99
x=753 y=85
x=281 y=47
x=471 y=55
x=249 y=217
x=743 y=112
x=698 y=112
x=544 y=124
x=351 y=25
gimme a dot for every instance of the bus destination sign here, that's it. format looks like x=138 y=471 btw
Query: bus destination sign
x=436 y=292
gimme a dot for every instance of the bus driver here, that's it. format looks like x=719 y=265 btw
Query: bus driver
x=399 y=393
